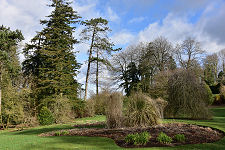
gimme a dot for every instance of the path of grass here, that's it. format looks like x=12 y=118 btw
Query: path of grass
x=28 y=139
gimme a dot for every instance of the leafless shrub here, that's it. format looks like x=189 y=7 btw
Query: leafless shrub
x=114 y=110
x=160 y=105
x=187 y=97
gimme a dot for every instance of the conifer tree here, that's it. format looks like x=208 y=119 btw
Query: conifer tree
x=9 y=63
x=96 y=32
x=50 y=59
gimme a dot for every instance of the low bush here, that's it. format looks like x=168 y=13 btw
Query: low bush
x=99 y=102
x=45 y=116
x=218 y=99
x=179 y=137
x=60 y=133
x=62 y=109
x=57 y=133
x=141 y=111
x=131 y=138
x=164 y=139
x=208 y=94
x=138 y=138
x=143 y=138
x=114 y=110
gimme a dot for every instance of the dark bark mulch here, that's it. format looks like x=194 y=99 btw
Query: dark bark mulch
x=194 y=134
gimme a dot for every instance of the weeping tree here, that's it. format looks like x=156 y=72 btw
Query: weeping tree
x=188 y=96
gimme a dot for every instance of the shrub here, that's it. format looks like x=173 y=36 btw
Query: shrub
x=217 y=99
x=89 y=108
x=57 y=133
x=143 y=138
x=222 y=91
x=179 y=137
x=160 y=105
x=164 y=139
x=141 y=111
x=99 y=102
x=62 y=109
x=138 y=138
x=45 y=116
x=187 y=97
x=131 y=138
x=60 y=133
x=79 y=108
x=64 y=132
x=114 y=110
x=208 y=94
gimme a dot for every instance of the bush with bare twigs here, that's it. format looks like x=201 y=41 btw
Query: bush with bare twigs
x=187 y=97
x=114 y=110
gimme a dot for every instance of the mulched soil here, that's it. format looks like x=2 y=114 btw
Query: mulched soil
x=194 y=134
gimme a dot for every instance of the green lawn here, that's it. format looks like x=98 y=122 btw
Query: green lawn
x=28 y=139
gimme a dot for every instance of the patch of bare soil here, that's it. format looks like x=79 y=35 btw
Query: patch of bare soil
x=194 y=134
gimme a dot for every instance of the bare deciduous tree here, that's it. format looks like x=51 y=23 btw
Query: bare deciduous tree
x=188 y=53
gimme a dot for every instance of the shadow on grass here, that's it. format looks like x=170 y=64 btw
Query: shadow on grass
x=75 y=142
x=36 y=131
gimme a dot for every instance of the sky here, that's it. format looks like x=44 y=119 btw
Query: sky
x=131 y=21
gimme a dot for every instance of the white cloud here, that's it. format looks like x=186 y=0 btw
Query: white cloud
x=137 y=20
x=87 y=8
x=176 y=29
x=24 y=15
x=112 y=15
x=122 y=38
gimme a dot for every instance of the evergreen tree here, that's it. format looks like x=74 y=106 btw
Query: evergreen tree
x=50 y=59
x=96 y=33
x=9 y=69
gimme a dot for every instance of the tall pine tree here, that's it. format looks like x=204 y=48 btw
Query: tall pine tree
x=50 y=59
x=96 y=32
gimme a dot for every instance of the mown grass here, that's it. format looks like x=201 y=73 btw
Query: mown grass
x=28 y=139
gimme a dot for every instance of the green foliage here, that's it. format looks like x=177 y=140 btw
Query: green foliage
x=50 y=58
x=11 y=108
x=61 y=133
x=131 y=79
x=61 y=109
x=179 y=137
x=45 y=116
x=138 y=138
x=164 y=139
x=79 y=108
x=141 y=111
x=57 y=133
x=131 y=138
x=208 y=94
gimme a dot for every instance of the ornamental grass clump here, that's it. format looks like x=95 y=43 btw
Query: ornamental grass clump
x=141 y=111
x=114 y=110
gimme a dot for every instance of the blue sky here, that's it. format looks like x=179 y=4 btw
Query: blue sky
x=131 y=21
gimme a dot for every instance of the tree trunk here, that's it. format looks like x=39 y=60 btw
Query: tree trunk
x=97 y=74
x=89 y=65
